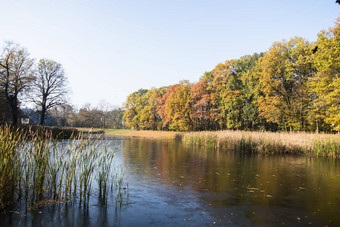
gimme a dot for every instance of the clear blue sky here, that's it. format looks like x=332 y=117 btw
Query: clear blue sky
x=110 y=49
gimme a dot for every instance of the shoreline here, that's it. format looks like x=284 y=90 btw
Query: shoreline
x=301 y=143
x=311 y=144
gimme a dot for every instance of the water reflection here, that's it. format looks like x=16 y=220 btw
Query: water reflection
x=175 y=185
x=242 y=189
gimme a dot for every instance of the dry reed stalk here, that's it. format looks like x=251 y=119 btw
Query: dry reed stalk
x=268 y=142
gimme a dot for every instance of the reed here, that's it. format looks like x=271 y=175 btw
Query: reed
x=327 y=145
x=36 y=167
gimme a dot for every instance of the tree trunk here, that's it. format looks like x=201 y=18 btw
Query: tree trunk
x=14 y=115
x=317 y=127
x=42 y=117
x=14 y=109
x=43 y=110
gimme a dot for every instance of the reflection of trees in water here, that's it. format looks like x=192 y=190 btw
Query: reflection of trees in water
x=232 y=180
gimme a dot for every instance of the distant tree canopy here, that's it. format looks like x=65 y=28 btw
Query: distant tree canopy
x=294 y=86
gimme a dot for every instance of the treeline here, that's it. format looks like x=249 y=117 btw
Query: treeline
x=294 y=86
x=86 y=117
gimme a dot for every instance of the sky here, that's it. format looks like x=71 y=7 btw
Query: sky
x=111 y=48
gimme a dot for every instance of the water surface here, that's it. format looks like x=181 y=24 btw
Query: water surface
x=170 y=184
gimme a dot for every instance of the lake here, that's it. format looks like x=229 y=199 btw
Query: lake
x=171 y=184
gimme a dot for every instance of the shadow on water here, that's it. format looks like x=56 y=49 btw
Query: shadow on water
x=170 y=184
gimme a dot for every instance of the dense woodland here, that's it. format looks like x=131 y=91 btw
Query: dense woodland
x=294 y=86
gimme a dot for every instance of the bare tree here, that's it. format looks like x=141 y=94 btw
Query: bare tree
x=49 y=88
x=15 y=75
x=104 y=108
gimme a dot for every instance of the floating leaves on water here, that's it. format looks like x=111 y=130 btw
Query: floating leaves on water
x=252 y=190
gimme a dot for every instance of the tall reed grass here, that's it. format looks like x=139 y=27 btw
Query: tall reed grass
x=327 y=145
x=36 y=167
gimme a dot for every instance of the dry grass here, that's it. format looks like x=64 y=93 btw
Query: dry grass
x=90 y=130
x=268 y=142
x=150 y=134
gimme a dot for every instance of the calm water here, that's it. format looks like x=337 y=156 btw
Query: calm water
x=170 y=184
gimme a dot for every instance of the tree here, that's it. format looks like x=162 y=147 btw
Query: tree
x=149 y=118
x=162 y=108
x=89 y=117
x=325 y=86
x=200 y=105
x=176 y=107
x=115 y=118
x=214 y=85
x=285 y=70
x=49 y=88
x=63 y=115
x=15 y=76
x=5 y=113
x=248 y=68
x=133 y=106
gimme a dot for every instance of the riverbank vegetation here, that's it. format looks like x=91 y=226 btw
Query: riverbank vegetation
x=36 y=169
x=326 y=145
x=142 y=133
x=301 y=143
x=294 y=86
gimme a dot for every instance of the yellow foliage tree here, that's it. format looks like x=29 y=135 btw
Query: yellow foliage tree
x=285 y=69
x=325 y=86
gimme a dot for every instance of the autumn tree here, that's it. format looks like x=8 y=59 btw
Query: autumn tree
x=49 y=87
x=175 y=107
x=286 y=67
x=149 y=117
x=248 y=70
x=325 y=86
x=162 y=108
x=133 y=108
x=178 y=107
x=200 y=106
x=214 y=84
x=15 y=76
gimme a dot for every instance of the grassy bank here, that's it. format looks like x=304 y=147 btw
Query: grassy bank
x=38 y=169
x=54 y=132
x=267 y=142
x=142 y=133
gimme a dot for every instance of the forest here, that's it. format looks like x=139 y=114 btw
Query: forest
x=293 y=86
